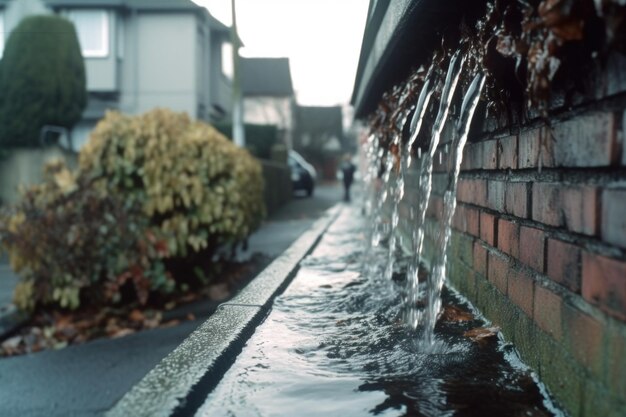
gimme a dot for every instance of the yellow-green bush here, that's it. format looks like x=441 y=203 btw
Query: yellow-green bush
x=197 y=187
x=68 y=239
x=151 y=191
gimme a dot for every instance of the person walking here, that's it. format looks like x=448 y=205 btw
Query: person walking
x=347 y=169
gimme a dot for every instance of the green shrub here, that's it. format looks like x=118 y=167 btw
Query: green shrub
x=259 y=138
x=150 y=191
x=42 y=80
x=68 y=238
x=194 y=185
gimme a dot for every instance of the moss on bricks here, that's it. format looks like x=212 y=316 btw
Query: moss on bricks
x=525 y=340
x=462 y=247
x=598 y=401
x=560 y=372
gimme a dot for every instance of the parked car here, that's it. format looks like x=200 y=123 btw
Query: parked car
x=303 y=174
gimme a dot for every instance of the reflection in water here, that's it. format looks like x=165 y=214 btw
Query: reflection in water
x=335 y=345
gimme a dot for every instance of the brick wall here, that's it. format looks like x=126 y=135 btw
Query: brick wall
x=539 y=246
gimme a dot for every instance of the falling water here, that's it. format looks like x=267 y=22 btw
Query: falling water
x=397 y=187
x=438 y=272
x=414 y=315
x=405 y=162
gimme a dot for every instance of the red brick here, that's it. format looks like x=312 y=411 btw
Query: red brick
x=614 y=217
x=585 y=338
x=564 y=264
x=547 y=308
x=472 y=221
x=472 y=191
x=466 y=220
x=498 y=271
x=472 y=157
x=580 y=209
x=532 y=144
x=521 y=290
x=488 y=228
x=516 y=199
x=604 y=283
x=531 y=247
x=459 y=219
x=508 y=237
x=480 y=259
x=495 y=195
x=490 y=154
x=586 y=141
x=547 y=204
x=508 y=153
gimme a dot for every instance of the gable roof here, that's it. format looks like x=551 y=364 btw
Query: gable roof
x=317 y=120
x=266 y=77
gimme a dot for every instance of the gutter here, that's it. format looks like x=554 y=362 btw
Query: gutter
x=180 y=383
x=399 y=35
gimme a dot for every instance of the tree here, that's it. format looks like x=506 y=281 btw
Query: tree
x=42 y=80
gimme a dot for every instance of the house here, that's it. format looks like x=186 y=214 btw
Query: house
x=268 y=95
x=320 y=137
x=141 y=54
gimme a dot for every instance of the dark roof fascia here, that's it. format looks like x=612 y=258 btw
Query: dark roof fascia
x=402 y=37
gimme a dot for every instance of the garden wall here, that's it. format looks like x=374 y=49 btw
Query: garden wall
x=539 y=244
x=25 y=167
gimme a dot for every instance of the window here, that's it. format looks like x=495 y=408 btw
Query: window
x=93 y=31
x=227 y=60
x=1 y=33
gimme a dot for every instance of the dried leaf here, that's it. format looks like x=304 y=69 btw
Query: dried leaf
x=481 y=334
x=137 y=316
x=453 y=313
x=121 y=333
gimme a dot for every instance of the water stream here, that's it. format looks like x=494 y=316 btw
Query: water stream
x=329 y=348
x=437 y=275
x=415 y=314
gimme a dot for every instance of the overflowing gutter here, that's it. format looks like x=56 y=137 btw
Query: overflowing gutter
x=399 y=35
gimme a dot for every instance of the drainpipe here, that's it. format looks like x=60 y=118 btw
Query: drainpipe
x=238 y=130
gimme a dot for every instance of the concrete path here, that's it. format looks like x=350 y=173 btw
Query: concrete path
x=88 y=379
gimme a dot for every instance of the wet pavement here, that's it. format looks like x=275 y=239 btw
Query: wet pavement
x=87 y=380
x=335 y=344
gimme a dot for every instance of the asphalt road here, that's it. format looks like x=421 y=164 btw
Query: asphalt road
x=88 y=379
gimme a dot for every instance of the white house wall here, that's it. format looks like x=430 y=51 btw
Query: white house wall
x=166 y=62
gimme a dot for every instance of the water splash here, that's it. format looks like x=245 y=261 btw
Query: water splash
x=437 y=276
x=414 y=315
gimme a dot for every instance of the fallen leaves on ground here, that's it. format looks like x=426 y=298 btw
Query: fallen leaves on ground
x=482 y=334
x=453 y=313
x=58 y=329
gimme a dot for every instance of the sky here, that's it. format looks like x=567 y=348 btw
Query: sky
x=321 y=38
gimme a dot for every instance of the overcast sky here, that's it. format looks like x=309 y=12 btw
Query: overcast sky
x=322 y=39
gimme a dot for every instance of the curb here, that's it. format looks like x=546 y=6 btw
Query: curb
x=180 y=383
